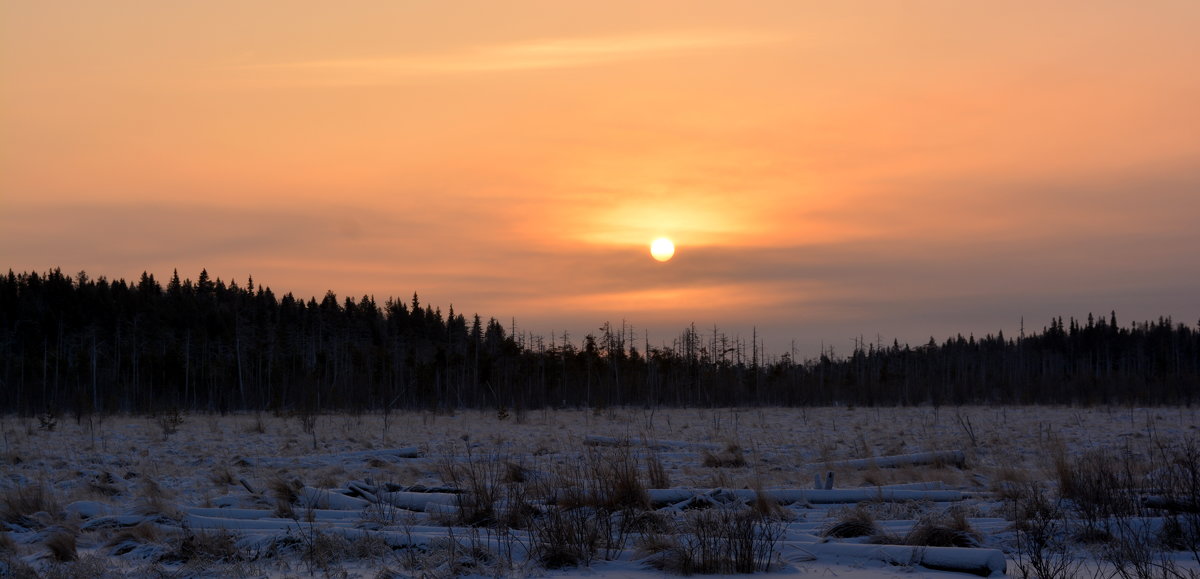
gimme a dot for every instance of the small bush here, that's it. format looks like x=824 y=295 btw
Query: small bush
x=1100 y=484
x=1040 y=544
x=47 y=421
x=606 y=480
x=713 y=541
x=570 y=537
x=169 y=422
x=479 y=478
x=615 y=479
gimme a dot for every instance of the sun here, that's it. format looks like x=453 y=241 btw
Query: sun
x=662 y=249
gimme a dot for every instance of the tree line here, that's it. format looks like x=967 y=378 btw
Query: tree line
x=77 y=344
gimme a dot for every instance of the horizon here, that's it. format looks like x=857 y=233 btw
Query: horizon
x=669 y=340
x=873 y=171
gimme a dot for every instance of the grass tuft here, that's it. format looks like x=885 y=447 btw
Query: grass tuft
x=20 y=503
x=61 y=544
x=857 y=522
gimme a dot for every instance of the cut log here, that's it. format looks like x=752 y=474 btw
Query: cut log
x=665 y=497
x=982 y=562
x=363 y=490
x=317 y=460
x=954 y=457
x=314 y=498
x=594 y=440
x=418 y=501
x=839 y=496
x=1169 y=504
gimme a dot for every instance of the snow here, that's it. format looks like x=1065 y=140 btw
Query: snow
x=360 y=478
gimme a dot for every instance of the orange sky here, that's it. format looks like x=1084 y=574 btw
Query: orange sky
x=827 y=170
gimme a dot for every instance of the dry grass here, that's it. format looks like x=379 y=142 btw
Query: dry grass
x=731 y=457
x=61 y=544
x=285 y=493
x=942 y=530
x=205 y=547
x=657 y=473
x=767 y=507
x=856 y=522
x=542 y=458
x=155 y=500
x=222 y=476
x=7 y=545
x=19 y=504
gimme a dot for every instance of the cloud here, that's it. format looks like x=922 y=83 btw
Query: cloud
x=523 y=56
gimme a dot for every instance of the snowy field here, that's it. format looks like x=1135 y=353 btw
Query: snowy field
x=1062 y=492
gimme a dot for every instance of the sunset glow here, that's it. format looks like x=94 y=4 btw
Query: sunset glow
x=829 y=170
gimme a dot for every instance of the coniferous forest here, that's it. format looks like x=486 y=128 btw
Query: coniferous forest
x=76 y=344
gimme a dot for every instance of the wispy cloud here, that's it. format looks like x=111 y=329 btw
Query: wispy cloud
x=532 y=55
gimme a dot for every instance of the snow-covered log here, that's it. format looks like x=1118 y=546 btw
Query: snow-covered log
x=918 y=486
x=314 y=498
x=664 y=497
x=318 y=515
x=316 y=460
x=660 y=497
x=954 y=457
x=441 y=509
x=983 y=562
x=418 y=501
x=594 y=440
x=363 y=490
x=836 y=496
x=1170 y=504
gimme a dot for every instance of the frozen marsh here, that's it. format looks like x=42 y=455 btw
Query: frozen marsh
x=1027 y=491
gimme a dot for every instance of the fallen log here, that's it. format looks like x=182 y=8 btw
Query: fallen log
x=954 y=457
x=594 y=440
x=666 y=497
x=982 y=562
x=316 y=460
x=1170 y=504
x=417 y=501
x=314 y=498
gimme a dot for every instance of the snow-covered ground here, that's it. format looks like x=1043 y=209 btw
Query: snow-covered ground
x=375 y=496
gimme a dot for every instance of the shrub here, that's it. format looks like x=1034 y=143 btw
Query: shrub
x=479 y=478
x=1040 y=544
x=718 y=540
x=569 y=537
